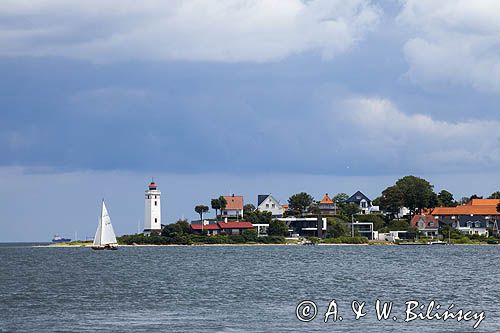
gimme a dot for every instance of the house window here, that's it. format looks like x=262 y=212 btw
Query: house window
x=274 y=205
x=363 y=204
x=156 y=203
x=156 y=220
x=267 y=205
x=431 y=224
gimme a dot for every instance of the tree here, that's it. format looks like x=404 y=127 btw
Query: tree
x=475 y=196
x=258 y=217
x=222 y=203
x=248 y=208
x=397 y=225
x=376 y=201
x=219 y=203
x=445 y=199
x=314 y=208
x=300 y=202
x=418 y=193
x=376 y=219
x=277 y=228
x=177 y=229
x=337 y=228
x=392 y=200
x=215 y=203
x=463 y=201
x=495 y=195
x=200 y=209
x=340 y=200
x=351 y=209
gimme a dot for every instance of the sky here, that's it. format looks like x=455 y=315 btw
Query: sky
x=247 y=97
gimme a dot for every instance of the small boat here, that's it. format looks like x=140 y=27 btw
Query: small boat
x=59 y=239
x=105 y=238
x=437 y=243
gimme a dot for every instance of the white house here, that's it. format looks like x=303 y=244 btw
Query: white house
x=267 y=203
x=234 y=207
x=362 y=201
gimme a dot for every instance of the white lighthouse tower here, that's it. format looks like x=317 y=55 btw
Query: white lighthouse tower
x=152 y=210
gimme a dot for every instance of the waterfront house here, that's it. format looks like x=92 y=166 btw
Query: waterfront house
x=209 y=229
x=267 y=203
x=305 y=226
x=234 y=228
x=228 y=228
x=327 y=206
x=234 y=207
x=474 y=218
x=362 y=201
x=426 y=224
x=393 y=236
x=364 y=229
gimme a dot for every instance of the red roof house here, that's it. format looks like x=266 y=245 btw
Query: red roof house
x=234 y=206
x=327 y=206
x=234 y=228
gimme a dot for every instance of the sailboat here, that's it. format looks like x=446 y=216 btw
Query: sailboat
x=105 y=238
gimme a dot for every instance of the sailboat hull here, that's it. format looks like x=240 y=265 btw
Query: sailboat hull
x=105 y=247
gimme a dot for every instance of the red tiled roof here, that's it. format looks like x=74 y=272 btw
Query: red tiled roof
x=326 y=200
x=427 y=219
x=466 y=210
x=234 y=202
x=235 y=225
x=485 y=202
x=205 y=227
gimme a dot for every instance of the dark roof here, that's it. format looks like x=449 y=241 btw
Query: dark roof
x=465 y=221
x=261 y=198
x=357 y=197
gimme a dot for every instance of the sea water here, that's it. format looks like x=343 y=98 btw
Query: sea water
x=245 y=288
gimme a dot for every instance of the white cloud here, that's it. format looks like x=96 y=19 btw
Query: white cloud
x=211 y=30
x=454 y=41
x=419 y=141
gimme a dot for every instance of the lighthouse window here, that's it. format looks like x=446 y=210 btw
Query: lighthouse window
x=155 y=203
x=156 y=220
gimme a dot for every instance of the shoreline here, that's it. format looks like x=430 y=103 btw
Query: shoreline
x=256 y=244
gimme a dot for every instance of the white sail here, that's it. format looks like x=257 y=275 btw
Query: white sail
x=97 y=237
x=105 y=234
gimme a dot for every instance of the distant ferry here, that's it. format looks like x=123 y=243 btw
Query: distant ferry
x=59 y=239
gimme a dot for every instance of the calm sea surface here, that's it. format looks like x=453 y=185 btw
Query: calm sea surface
x=241 y=288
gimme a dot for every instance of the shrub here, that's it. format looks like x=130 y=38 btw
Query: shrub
x=272 y=240
x=346 y=240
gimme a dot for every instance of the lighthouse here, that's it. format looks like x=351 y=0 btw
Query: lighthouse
x=152 y=210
